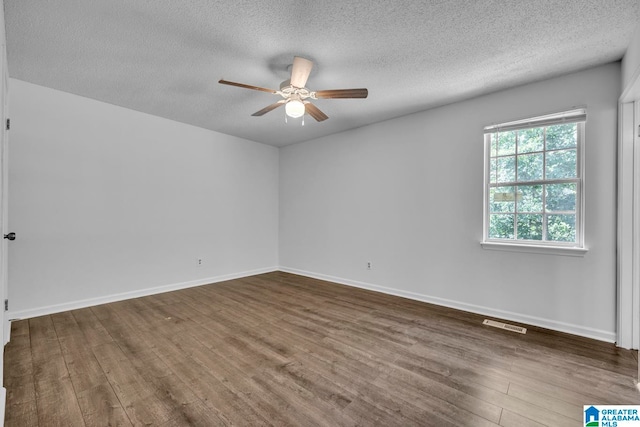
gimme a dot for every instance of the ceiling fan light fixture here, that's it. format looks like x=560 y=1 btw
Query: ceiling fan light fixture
x=294 y=108
x=295 y=95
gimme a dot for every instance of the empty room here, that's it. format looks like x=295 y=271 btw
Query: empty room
x=336 y=213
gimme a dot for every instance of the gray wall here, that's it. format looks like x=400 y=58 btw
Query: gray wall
x=631 y=61
x=110 y=203
x=406 y=194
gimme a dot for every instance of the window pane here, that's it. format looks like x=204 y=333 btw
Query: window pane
x=561 y=228
x=530 y=167
x=530 y=199
x=532 y=182
x=507 y=169
x=493 y=167
x=562 y=136
x=561 y=164
x=506 y=143
x=494 y=145
x=530 y=140
x=529 y=227
x=501 y=199
x=501 y=226
x=561 y=197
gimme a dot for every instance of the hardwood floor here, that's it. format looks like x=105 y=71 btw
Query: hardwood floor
x=279 y=349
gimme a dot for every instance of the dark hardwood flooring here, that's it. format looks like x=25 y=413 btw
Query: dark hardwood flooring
x=279 y=349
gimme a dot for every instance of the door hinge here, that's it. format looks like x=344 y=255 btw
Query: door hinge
x=6 y=305
x=8 y=124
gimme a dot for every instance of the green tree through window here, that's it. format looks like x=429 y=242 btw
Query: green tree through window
x=533 y=180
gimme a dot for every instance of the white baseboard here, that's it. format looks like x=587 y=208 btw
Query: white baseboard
x=6 y=328
x=74 y=305
x=487 y=311
x=3 y=402
x=583 y=331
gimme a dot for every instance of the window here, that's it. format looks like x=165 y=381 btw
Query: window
x=533 y=181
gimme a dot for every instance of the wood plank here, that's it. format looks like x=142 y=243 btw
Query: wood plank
x=20 y=414
x=196 y=414
x=20 y=390
x=547 y=402
x=141 y=400
x=366 y=413
x=22 y=361
x=511 y=419
x=58 y=403
x=100 y=406
x=19 y=328
x=444 y=393
x=224 y=398
x=91 y=327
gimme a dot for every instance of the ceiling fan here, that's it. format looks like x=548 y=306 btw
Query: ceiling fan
x=295 y=95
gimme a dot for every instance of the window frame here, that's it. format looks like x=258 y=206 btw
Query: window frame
x=576 y=248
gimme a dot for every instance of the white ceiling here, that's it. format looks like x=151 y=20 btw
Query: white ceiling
x=164 y=57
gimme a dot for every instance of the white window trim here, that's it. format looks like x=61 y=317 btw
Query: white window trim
x=560 y=248
x=535 y=249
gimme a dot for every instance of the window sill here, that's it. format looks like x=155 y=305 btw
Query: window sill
x=535 y=249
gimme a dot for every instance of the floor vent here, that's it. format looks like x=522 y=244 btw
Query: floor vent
x=506 y=326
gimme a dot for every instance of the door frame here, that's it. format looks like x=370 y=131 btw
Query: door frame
x=6 y=325
x=628 y=238
x=4 y=196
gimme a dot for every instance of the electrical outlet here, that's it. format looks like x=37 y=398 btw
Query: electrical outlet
x=199 y=262
x=369 y=265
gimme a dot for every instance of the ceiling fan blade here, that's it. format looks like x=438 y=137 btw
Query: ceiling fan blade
x=268 y=108
x=314 y=112
x=300 y=71
x=226 y=82
x=342 y=93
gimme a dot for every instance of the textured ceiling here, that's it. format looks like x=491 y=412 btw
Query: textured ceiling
x=164 y=57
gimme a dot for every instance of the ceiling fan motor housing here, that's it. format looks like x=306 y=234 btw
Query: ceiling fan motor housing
x=287 y=91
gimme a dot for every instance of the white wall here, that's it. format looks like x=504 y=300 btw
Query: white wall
x=631 y=61
x=110 y=203
x=406 y=194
